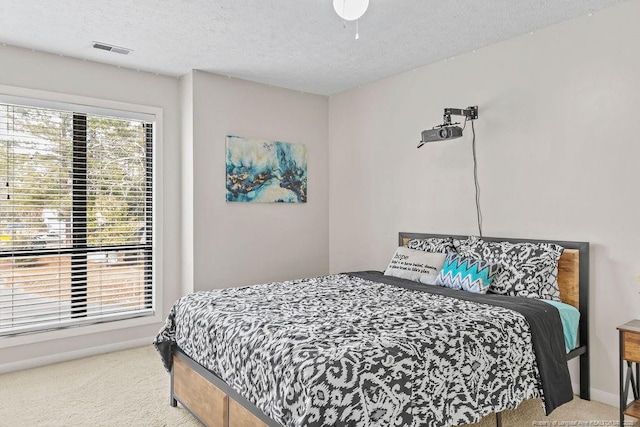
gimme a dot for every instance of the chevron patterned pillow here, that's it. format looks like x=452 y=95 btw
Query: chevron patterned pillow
x=471 y=275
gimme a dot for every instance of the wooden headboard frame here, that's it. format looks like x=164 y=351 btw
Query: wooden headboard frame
x=573 y=281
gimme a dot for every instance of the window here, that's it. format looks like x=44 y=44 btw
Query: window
x=76 y=220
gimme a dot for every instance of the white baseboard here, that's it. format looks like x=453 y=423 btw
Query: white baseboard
x=607 y=398
x=611 y=399
x=71 y=355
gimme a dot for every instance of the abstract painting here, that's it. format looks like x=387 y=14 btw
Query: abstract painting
x=266 y=171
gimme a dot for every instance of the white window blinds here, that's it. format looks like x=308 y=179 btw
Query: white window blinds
x=76 y=198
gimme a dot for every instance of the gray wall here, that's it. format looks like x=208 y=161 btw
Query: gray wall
x=558 y=150
x=243 y=243
x=186 y=204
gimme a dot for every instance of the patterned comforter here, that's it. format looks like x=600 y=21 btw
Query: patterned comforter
x=344 y=350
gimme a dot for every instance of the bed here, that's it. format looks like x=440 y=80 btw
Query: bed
x=266 y=365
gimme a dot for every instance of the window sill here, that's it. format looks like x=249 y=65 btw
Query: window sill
x=38 y=337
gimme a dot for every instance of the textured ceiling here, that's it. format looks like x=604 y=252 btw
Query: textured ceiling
x=297 y=44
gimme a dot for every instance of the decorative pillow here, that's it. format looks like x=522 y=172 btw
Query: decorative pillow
x=471 y=275
x=415 y=265
x=467 y=245
x=433 y=244
x=527 y=269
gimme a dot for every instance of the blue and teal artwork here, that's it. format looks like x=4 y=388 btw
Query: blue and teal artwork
x=266 y=171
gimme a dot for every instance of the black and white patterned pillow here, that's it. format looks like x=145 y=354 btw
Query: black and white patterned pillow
x=465 y=245
x=433 y=244
x=528 y=269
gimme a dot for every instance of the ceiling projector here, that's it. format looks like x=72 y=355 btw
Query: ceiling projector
x=448 y=130
x=439 y=133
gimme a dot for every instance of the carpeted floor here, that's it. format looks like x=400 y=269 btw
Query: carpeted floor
x=130 y=388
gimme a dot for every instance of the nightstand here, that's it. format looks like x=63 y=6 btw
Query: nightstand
x=629 y=334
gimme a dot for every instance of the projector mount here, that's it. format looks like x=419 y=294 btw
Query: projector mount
x=471 y=113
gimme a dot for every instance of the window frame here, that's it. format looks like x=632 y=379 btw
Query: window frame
x=89 y=105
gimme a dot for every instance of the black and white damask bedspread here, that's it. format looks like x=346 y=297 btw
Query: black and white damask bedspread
x=344 y=350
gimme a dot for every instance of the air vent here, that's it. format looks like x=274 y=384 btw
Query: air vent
x=111 y=48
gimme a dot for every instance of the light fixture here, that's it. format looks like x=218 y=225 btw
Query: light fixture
x=351 y=10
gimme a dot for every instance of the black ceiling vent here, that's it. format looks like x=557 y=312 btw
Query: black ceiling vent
x=111 y=48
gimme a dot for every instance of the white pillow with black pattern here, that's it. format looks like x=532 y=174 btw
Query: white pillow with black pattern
x=419 y=266
x=528 y=269
x=442 y=245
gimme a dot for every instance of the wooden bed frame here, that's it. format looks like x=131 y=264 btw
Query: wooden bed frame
x=216 y=404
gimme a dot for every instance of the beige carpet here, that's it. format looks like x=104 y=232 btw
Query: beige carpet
x=130 y=388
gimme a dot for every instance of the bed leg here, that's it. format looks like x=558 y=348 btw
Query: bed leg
x=498 y=419
x=585 y=392
x=172 y=400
